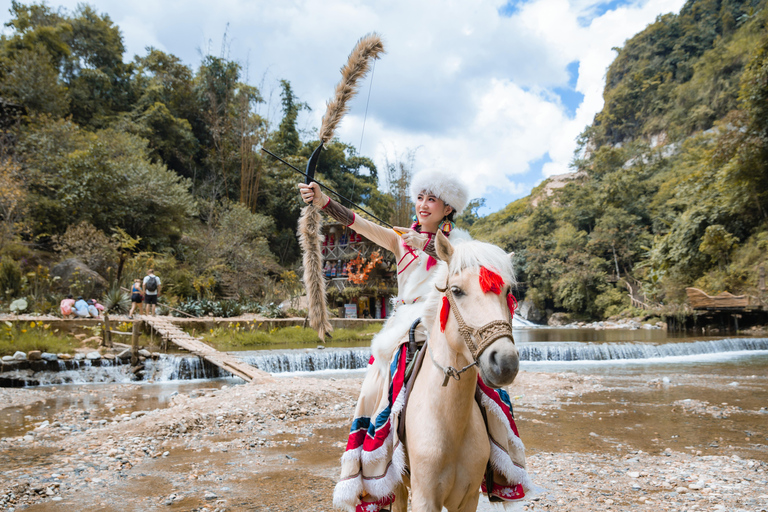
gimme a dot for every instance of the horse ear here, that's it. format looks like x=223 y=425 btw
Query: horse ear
x=443 y=247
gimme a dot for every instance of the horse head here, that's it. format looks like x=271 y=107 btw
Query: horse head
x=476 y=307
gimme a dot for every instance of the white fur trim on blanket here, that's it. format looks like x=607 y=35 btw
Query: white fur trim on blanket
x=494 y=408
x=503 y=464
x=347 y=493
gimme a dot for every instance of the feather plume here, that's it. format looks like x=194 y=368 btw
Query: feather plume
x=359 y=62
x=310 y=222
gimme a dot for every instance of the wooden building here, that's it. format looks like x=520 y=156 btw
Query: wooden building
x=361 y=276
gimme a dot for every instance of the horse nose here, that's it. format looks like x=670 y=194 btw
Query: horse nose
x=500 y=363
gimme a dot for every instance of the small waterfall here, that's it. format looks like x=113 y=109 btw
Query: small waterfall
x=517 y=321
x=619 y=351
x=310 y=360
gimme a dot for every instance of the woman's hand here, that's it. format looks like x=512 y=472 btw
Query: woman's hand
x=311 y=194
x=413 y=238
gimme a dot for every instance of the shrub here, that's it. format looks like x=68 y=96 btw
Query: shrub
x=10 y=277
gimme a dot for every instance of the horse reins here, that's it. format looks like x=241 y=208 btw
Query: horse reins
x=484 y=335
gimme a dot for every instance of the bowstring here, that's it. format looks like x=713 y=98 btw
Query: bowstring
x=365 y=117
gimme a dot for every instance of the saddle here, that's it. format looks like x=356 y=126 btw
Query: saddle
x=414 y=359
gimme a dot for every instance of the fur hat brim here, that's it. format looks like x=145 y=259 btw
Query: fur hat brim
x=446 y=187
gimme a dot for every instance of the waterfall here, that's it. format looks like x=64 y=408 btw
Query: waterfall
x=310 y=360
x=619 y=351
x=173 y=367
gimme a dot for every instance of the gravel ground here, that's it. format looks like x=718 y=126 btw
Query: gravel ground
x=593 y=444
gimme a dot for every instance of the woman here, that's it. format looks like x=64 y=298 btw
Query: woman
x=136 y=297
x=366 y=470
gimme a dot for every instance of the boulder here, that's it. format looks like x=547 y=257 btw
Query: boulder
x=145 y=353
x=20 y=356
x=530 y=312
x=93 y=355
x=64 y=357
x=125 y=354
x=34 y=355
x=47 y=356
x=72 y=270
x=559 y=319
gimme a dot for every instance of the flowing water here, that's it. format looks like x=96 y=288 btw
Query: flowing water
x=631 y=354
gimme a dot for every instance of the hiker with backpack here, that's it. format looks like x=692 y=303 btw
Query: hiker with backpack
x=151 y=286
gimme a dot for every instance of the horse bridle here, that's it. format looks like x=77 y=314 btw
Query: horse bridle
x=476 y=339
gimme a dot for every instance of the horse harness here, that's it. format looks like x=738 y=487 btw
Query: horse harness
x=477 y=339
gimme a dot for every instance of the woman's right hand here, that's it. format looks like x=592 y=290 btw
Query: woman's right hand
x=311 y=194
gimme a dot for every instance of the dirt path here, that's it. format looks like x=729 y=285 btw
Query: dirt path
x=627 y=444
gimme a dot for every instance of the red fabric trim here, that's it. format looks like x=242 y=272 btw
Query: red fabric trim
x=431 y=262
x=490 y=281
x=407 y=265
x=354 y=216
x=444 y=313
x=326 y=204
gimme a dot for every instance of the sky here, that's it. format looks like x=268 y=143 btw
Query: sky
x=496 y=92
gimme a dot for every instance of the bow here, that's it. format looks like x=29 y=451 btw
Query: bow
x=310 y=221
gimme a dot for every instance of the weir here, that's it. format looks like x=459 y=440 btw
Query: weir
x=227 y=362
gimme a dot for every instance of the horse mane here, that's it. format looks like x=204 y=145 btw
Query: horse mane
x=469 y=255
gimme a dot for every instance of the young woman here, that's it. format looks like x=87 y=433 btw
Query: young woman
x=366 y=470
x=136 y=298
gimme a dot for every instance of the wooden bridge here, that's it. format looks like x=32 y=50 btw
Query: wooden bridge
x=170 y=333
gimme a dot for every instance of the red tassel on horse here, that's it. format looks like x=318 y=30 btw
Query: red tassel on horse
x=444 y=313
x=490 y=281
x=511 y=304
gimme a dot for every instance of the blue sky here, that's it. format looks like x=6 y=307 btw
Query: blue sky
x=493 y=91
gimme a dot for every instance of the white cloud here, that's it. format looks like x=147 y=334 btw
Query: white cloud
x=471 y=89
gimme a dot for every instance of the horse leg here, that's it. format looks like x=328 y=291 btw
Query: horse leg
x=401 y=498
x=470 y=503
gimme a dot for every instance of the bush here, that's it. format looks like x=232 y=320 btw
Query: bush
x=10 y=277
x=116 y=301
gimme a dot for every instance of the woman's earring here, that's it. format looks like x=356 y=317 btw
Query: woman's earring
x=446 y=226
x=416 y=221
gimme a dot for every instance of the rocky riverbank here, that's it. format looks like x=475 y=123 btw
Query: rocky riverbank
x=275 y=446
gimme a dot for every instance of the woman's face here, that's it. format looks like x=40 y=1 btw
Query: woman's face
x=430 y=210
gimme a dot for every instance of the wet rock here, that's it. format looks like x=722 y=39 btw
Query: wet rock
x=34 y=355
x=145 y=353
x=125 y=354
x=47 y=356
x=93 y=356
x=559 y=319
x=64 y=357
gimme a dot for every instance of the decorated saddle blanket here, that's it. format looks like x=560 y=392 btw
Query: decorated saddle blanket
x=374 y=461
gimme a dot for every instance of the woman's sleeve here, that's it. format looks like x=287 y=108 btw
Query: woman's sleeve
x=379 y=235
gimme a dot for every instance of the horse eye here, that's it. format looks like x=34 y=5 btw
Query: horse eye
x=456 y=291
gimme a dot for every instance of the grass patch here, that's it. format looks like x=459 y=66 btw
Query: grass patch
x=34 y=336
x=246 y=338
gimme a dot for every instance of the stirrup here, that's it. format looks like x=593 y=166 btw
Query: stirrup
x=381 y=505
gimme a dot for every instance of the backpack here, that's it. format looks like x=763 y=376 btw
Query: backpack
x=151 y=284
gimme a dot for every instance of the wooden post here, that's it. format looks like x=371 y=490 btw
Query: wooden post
x=761 y=280
x=107 y=338
x=135 y=343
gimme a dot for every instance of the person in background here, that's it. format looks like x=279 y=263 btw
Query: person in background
x=66 y=306
x=137 y=298
x=93 y=311
x=151 y=287
x=81 y=308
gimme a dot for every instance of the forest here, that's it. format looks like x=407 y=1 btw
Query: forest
x=126 y=164
x=670 y=182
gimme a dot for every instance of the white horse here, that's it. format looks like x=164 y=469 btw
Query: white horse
x=447 y=443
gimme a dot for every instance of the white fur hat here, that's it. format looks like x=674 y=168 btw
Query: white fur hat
x=445 y=186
